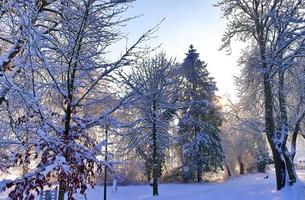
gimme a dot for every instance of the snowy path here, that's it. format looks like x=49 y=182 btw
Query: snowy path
x=249 y=187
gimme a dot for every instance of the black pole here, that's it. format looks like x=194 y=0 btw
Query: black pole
x=106 y=159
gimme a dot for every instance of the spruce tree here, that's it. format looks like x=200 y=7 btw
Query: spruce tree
x=199 y=125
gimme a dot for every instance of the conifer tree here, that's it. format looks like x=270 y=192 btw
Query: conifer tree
x=199 y=125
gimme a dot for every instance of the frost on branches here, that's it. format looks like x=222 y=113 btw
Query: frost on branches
x=155 y=86
x=275 y=30
x=55 y=79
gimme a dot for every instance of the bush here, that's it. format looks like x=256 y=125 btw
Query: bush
x=262 y=164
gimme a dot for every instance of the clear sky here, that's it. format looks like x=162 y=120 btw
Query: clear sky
x=187 y=22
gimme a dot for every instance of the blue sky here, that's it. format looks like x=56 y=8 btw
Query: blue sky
x=187 y=22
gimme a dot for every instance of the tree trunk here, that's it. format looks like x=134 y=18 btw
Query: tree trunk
x=279 y=162
x=280 y=167
x=284 y=128
x=61 y=192
x=295 y=136
x=199 y=174
x=155 y=159
x=290 y=166
x=148 y=176
x=241 y=166
x=228 y=170
x=294 y=141
x=66 y=133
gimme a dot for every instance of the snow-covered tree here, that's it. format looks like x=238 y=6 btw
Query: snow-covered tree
x=199 y=125
x=54 y=74
x=295 y=91
x=155 y=88
x=276 y=29
x=244 y=143
x=250 y=86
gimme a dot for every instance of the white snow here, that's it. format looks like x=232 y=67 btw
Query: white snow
x=248 y=187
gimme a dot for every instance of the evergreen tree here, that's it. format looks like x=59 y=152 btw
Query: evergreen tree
x=200 y=121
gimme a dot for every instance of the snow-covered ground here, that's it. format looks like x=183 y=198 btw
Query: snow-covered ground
x=249 y=187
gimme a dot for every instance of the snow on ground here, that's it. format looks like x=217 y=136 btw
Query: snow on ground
x=248 y=187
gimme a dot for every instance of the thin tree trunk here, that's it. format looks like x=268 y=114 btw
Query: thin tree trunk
x=284 y=128
x=155 y=159
x=241 y=166
x=294 y=143
x=295 y=136
x=199 y=178
x=61 y=192
x=148 y=176
x=228 y=170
